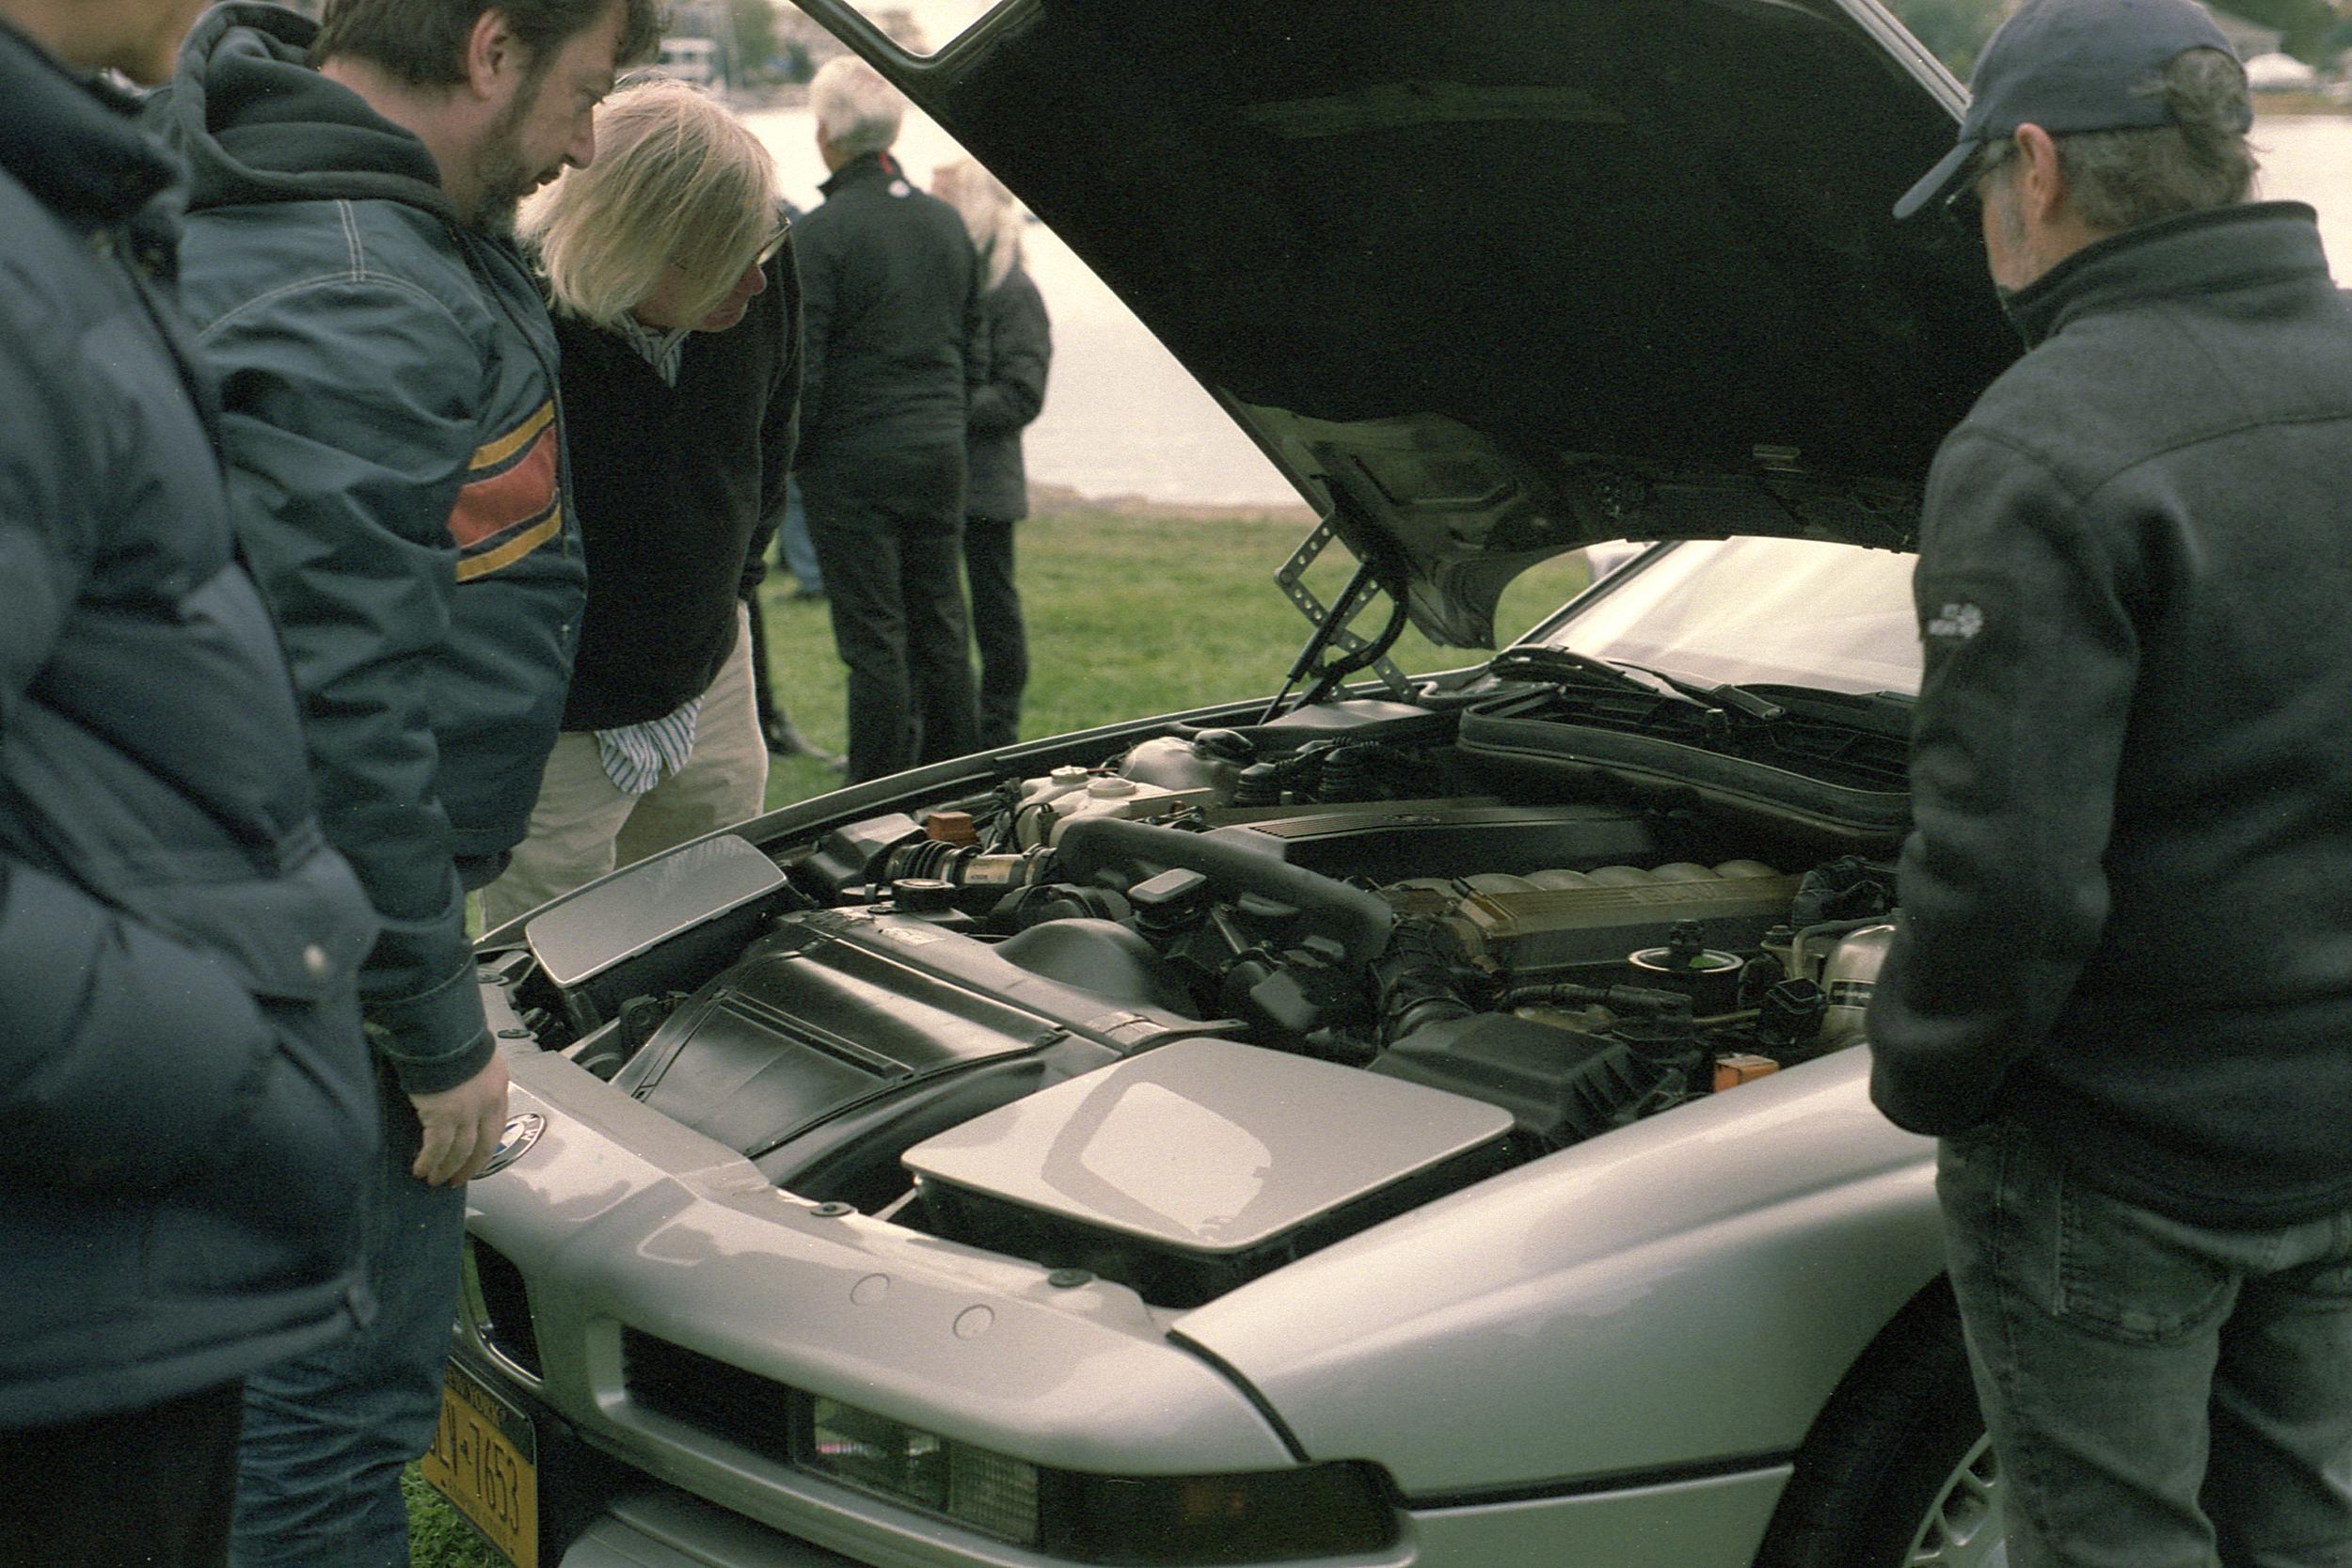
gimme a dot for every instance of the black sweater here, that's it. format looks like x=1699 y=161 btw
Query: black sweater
x=679 y=489
x=2127 y=906
x=895 y=327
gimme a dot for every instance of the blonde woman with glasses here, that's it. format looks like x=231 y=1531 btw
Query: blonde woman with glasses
x=670 y=275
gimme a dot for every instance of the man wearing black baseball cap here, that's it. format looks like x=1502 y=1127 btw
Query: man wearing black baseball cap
x=2122 y=989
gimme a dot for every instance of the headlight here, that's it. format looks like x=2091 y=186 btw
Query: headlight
x=989 y=1492
x=1315 y=1511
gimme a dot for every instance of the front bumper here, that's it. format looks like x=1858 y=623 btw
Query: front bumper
x=596 y=1512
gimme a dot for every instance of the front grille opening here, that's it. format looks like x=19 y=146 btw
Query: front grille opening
x=503 y=1309
x=727 y=1401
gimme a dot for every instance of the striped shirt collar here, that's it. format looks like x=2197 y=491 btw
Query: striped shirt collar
x=662 y=349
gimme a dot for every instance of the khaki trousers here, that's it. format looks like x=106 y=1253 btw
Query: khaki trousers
x=581 y=827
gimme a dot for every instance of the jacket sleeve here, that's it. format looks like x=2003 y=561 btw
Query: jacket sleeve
x=347 y=421
x=1020 y=347
x=975 y=326
x=2031 y=657
x=814 y=266
x=114 y=1028
x=780 y=420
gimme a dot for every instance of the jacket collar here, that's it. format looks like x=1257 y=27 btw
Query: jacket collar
x=862 y=169
x=2197 y=253
x=70 y=140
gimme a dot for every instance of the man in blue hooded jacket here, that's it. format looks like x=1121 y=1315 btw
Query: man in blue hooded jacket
x=398 y=479
x=187 y=1123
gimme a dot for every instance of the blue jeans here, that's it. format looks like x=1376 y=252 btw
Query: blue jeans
x=2160 y=1394
x=327 y=1435
x=798 y=552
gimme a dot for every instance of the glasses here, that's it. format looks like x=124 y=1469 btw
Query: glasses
x=1964 y=208
x=775 y=242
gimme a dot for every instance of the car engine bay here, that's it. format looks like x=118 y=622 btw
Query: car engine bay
x=1236 y=993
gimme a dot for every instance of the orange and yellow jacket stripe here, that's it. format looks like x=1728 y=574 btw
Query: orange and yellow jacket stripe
x=510 y=503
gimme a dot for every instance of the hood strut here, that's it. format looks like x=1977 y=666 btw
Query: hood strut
x=1349 y=651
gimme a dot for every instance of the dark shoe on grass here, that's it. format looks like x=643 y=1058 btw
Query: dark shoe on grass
x=786 y=740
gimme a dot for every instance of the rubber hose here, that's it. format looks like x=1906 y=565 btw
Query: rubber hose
x=1356 y=920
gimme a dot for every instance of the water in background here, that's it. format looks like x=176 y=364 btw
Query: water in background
x=1124 y=418
x=2308 y=158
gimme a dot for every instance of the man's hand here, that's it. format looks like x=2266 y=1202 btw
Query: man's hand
x=461 y=1126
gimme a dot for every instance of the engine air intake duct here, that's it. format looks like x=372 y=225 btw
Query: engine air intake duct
x=1561 y=1086
x=1356 y=921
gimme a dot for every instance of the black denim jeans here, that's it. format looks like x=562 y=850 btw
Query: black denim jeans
x=2160 y=1394
x=888 y=527
x=998 y=633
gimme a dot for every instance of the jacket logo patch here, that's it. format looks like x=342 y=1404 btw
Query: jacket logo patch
x=509 y=504
x=1956 y=621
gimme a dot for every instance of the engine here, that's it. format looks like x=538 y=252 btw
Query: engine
x=1435 y=972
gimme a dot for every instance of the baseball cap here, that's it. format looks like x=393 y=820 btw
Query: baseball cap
x=2068 y=66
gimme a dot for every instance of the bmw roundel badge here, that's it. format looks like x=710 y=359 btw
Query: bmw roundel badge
x=521 y=1132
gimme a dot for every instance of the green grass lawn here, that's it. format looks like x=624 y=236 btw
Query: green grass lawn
x=1128 y=616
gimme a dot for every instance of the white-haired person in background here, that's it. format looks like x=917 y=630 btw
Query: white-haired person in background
x=996 y=482
x=670 y=277
x=895 y=344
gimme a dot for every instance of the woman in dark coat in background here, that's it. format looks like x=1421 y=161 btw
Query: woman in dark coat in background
x=997 y=485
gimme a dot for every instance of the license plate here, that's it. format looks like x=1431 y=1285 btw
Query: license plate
x=485 y=1461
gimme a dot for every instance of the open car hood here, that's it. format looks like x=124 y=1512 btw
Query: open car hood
x=1494 y=280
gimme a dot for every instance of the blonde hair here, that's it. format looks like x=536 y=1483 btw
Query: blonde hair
x=676 y=181
x=857 y=110
x=988 y=213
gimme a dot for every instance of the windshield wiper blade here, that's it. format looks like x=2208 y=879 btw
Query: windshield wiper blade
x=1734 y=698
x=1566 y=667
x=1557 y=664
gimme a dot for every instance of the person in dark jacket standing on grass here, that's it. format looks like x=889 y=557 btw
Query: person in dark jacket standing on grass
x=677 y=313
x=2121 y=990
x=397 y=480
x=895 y=344
x=996 y=482
x=188 y=1124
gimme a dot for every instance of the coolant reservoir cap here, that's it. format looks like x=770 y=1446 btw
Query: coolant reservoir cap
x=1106 y=787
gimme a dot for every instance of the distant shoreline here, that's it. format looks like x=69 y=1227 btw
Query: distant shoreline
x=1047 y=500
x=2296 y=104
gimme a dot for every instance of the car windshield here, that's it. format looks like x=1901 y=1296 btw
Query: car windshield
x=1749 y=611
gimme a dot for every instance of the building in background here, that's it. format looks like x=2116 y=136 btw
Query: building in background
x=690 y=59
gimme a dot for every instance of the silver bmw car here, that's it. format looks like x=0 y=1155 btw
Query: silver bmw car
x=1396 y=1120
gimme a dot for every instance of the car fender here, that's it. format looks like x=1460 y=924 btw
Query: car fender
x=1675 y=1297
